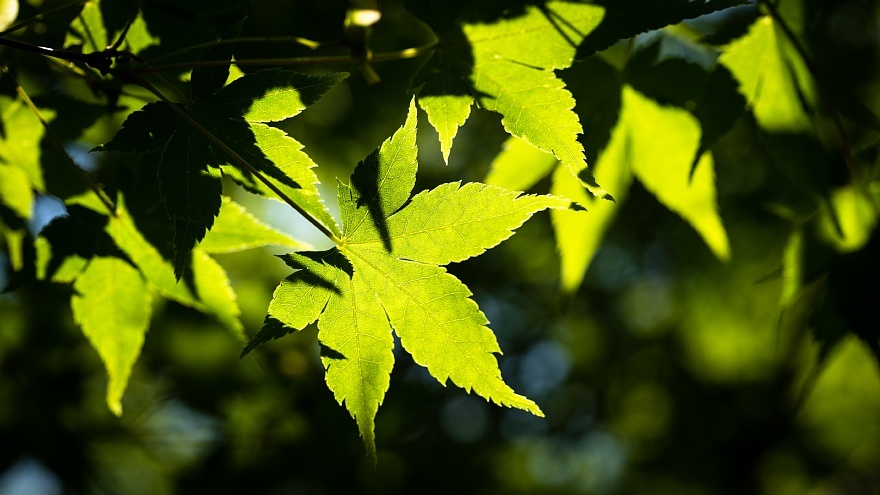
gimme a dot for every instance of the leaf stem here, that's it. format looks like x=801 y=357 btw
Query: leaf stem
x=314 y=45
x=170 y=86
x=329 y=60
x=58 y=144
x=239 y=159
x=46 y=51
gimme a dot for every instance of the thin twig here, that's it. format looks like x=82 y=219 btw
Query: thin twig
x=57 y=142
x=100 y=60
x=331 y=60
x=314 y=45
x=238 y=159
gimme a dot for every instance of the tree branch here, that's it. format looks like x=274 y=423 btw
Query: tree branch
x=329 y=60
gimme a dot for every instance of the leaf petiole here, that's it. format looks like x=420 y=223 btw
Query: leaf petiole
x=314 y=45
x=329 y=60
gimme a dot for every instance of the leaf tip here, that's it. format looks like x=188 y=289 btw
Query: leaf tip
x=372 y=456
x=115 y=406
x=530 y=406
x=445 y=148
x=586 y=178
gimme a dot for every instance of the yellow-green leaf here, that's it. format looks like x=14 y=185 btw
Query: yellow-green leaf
x=662 y=144
x=14 y=239
x=20 y=140
x=8 y=13
x=855 y=211
x=356 y=347
x=15 y=190
x=237 y=230
x=507 y=67
x=519 y=166
x=772 y=76
x=210 y=290
x=112 y=306
x=579 y=234
x=384 y=275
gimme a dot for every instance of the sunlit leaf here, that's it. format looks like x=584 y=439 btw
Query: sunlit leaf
x=662 y=144
x=65 y=246
x=848 y=223
x=15 y=190
x=237 y=230
x=579 y=234
x=214 y=291
x=112 y=306
x=20 y=140
x=191 y=163
x=89 y=30
x=385 y=275
x=14 y=239
x=8 y=13
x=656 y=144
x=273 y=95
x=519 y=166
x=772 y=76
x=507 y=67
x=209 y=289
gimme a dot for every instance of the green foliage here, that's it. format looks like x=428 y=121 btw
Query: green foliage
x=112 y=306
x=235 y=118
x=236 y=230
x=772 y=77
x=8 y=13
x=724 y=120
x=508 y=68
x=384 y=276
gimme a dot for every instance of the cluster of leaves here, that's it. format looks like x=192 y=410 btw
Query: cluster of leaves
x=152 y=232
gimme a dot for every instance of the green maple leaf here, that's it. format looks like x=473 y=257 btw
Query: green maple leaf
x=386 y=275
x=773 y=77
x=655 y=144
x=15 y=190
x=116 y=272
x=112 y=306
x=235 y=115
x=506 y=66
x=207 y=288
x=89 y=31
x=237 y=230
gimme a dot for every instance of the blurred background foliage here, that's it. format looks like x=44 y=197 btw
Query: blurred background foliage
x=666 y=372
